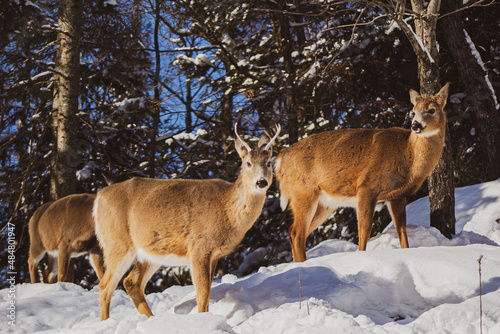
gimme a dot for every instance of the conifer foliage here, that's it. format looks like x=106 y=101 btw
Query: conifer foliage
x=161 y=85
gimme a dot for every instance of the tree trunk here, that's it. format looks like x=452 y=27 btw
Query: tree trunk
x=136 y=19
x=440 y=181
x=479 y=96
x=226 y=117
x=189 y=105
x=156 y=106
x=281 y=28
x=66 y=95
x=442 y=192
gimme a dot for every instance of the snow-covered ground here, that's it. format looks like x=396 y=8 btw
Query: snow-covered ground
x=433 y=287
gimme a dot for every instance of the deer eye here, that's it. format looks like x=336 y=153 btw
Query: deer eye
x=269 y=164
x=249 y=164
x=431 y=111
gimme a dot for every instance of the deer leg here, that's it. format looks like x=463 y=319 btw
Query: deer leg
x=303 y=213
x=32 y=267
x=202 y=279
x=50 y=274
x=135 y=283
x=298 y=237
x=213 y=267
x=322 y=213
x=97 y=262
x=63 y=259
x=115 y=269
x=33 y=260
x=397 y=208
x=365 y=208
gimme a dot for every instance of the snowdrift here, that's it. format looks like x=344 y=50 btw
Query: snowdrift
x=433 y=287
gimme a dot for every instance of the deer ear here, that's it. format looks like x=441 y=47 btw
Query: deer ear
x=263 y=141
x=414 y=96
x=111 y=178
x=269 y=141
x=443 y=95
x=241 y=148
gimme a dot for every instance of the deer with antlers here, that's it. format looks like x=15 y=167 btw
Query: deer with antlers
x=149 y=222
x=63 y=229
x=359 y=168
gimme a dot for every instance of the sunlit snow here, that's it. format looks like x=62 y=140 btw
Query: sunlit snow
x=433 y=287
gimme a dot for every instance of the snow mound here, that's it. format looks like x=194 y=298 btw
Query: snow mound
x=432 y=287
x=477 y=210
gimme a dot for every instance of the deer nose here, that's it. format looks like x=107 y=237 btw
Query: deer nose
x=417 y=127
x=262 y=183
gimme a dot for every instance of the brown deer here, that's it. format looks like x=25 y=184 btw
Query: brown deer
x=359 y=168
x=63 y=229
x=151 y=222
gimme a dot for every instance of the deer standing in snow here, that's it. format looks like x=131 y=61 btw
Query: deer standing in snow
x=63 y=229
x=359 y=168
x=149 y=222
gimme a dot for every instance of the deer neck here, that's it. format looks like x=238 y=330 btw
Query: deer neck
x=243 y=206
x=426 y=152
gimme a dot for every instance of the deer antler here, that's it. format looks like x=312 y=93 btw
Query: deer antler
x=239 y=138
x=278 y=129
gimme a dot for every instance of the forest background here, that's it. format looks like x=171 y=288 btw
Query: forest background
x=153 y=88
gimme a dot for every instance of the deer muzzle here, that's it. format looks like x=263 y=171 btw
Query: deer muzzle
x=262 y=183
x=417 y=127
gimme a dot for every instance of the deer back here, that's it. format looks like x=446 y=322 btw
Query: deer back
x=176 y=216
x=68 y=219
x=390 y=162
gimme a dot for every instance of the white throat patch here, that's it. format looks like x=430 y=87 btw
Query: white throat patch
x=428 y=134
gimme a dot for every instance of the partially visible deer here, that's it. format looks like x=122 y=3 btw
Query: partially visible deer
x=359 y=168
x=63 y=229
x=149 y=222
